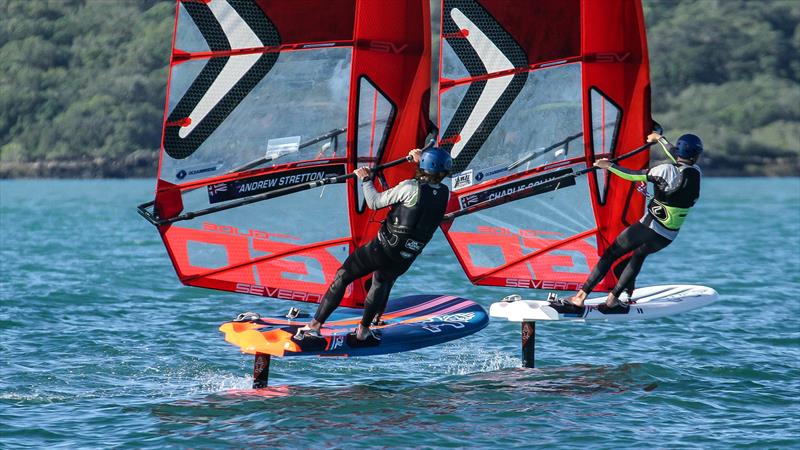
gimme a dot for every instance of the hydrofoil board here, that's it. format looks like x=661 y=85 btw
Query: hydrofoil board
x=647 y=303
x=409 y=323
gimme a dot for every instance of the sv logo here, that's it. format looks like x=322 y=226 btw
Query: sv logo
x=387 y=47
x=612 y=57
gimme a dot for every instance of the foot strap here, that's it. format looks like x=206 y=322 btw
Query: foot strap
x=372 y=339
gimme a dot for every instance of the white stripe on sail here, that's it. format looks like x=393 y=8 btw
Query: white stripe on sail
x=239 y=35
x=495 y=61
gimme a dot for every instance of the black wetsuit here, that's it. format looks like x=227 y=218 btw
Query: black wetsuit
x=637 y=238
x=677 y=188
x=401 y=239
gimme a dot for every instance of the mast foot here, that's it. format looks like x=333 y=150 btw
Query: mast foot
x=261 y=370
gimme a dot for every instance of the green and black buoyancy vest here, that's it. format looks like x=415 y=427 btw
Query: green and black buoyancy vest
x=671 y=209
x=406 y=230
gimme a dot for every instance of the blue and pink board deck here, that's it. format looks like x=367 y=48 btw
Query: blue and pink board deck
x=411 y=323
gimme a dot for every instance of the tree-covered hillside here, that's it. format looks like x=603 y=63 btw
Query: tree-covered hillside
x=82 y=79
x=82 y=83
x=729 y=70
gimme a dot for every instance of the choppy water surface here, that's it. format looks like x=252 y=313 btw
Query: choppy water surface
x=100 y=346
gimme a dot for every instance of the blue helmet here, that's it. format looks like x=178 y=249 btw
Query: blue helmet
x=689 y=146
x=435 y=160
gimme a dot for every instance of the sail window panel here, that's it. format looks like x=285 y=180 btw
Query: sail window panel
x=605 y=123
x=181 y=79
x=542 y=124
x=491 y=238
x=375 y=113
x=605 y=120
x=452 y=66
x=222 y=25
x=601 y=178
x=188 y=37
x=302 y=96
x=292 y=218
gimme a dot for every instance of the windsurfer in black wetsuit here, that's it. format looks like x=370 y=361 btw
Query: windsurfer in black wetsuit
x=677 y=188
x=418 y=205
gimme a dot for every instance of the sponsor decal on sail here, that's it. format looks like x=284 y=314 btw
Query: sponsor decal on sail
x=531 y=186
x=231 y=190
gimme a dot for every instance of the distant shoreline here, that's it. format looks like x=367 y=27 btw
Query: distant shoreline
x=140 y=164
x=144 y=164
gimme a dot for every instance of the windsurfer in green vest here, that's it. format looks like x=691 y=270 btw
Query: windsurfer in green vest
x=418 y=205
x=677 y=188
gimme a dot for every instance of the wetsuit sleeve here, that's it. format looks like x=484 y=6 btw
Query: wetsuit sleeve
x=402 y=193
x=628 y=174
x=667 y=147
x=665 y=176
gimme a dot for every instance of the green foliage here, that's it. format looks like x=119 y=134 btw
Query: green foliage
x=82 y=79
x=729 y=70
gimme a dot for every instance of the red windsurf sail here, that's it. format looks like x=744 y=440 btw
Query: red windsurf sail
x=530 y=91
x=265 y=96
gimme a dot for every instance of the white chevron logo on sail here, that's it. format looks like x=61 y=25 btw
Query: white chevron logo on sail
x=495 y=61
x=239 y=35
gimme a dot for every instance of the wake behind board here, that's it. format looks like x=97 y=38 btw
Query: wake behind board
x=647 y=303
x=410 y=323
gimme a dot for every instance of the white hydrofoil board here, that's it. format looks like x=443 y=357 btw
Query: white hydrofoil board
x=648 y=303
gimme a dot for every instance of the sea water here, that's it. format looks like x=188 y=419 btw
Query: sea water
x=101 y=346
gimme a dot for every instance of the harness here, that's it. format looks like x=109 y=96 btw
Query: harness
x=671 y=208
x=407 y=230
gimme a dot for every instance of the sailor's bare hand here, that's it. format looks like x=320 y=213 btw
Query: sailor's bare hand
x=415 y=154
x=603 y=163
x=362 y=172
x=653 y=137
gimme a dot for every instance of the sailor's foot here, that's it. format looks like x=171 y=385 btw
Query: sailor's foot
x=364 y=333
x=307 y=331
x=613 y=305
x=378 y=321
x=310 y=339
x=363 y=337
x=627 y=298
x=567 y=306
x=575 y=300
x=612 y=301
x=578 y=299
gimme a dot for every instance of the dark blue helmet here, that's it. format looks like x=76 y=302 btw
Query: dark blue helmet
x=689 y=146
x=435 y=160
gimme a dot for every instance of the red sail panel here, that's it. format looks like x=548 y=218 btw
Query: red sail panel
x=265 y=96
x=530 y=92
x=616 y=79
